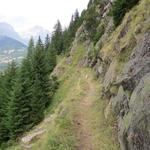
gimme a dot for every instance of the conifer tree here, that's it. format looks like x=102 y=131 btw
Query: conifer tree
x=40 y=85
x=66 y=40
x=47 y=42
x=20 y=109
x=17 y=110
x=51 y=59
x=119 y=9
x=30 y=48
x=57 y=38
x=3 y=129
x=7 y=83
x=69 y=33
x=74 y=24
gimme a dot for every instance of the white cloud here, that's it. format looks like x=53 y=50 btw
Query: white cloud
x=23 y=14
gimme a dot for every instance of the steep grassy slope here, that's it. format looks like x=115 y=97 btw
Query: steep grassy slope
x=77 y=114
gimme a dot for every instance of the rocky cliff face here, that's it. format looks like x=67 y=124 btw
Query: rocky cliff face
x=121 y=59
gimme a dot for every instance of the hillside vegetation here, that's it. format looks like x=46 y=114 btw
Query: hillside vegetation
x=76 y=117
x=98 y=97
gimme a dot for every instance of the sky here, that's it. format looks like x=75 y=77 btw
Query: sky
x=24 y=14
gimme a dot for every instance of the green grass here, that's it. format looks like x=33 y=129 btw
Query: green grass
x=78 y=54
x=138 y=16
x=125 y=54
x=61 y=132
x=105 y=136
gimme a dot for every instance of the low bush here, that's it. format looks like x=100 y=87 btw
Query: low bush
x=119 y=9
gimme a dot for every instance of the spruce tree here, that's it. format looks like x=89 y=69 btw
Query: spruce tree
x=17 y=110
x=30 y=48
x=7 y=83
x=40 y=85
x=119 y=9
x=47 y=42
x=3 y=100
x=51 y=59
x=57 y=38
x=20 y=109
x=66 y=40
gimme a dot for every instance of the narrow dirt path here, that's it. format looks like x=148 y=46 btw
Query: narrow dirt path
x=82 y=121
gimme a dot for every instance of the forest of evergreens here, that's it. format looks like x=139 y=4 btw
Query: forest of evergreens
x=26 y=90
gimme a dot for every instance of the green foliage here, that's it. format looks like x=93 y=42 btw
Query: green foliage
x=57 y=39
x=25 y=92
x=125 y=54
x=19 y=109
x=7 y=81
x=119 y=9
x=91 y=21
x=95 y=2
x=30 y=48
x=40 y=85
x=61 y=39
x=92 y=18
x=47 y=42
x=51 y=58
x=69 y=33
x=99 y=33
x=66 y=40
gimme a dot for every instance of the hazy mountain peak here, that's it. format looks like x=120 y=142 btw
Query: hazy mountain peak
x=6 y=25
x=7 y=30
x=34 y=32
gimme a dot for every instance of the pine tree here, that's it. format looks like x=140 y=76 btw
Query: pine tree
x=47 y=42
x=119 y=9
x=66 y=40
x=30 y=48
x=3 y=128
x=19 y=113
x=69 y=33
x=92 y=22
x=57 y=38
x=51 y=59
x=74 y=24
x=17 y=110
x=6 y=85
x=20 y=109
x=40 y=85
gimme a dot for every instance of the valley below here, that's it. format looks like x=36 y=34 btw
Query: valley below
x=7 y=56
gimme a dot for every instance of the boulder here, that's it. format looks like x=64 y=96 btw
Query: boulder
x=138 y=65
x=120 y=103
x=110 y=75
x=122 y=134
x=137 y=121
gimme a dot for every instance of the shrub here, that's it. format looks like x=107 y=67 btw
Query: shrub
x=119 y=9
x=99 y=33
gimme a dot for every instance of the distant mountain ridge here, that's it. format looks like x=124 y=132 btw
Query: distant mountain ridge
x=7 y=30
x=7 y=43
x=34 y=32
x=13 y=45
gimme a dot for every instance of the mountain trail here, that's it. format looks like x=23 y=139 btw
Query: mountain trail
x=82 y=118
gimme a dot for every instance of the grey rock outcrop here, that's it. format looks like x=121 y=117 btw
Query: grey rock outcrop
x=138 y=119
x=120 y=103
x=138 y=65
